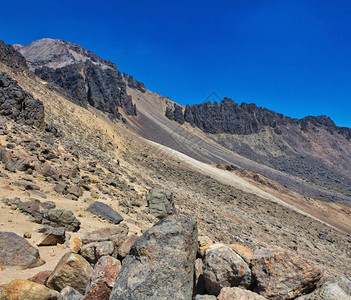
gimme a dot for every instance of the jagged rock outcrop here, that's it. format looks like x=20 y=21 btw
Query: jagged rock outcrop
x=133 y=83
x=19 y=105
x=230 y=117
x=88 y=78
x=12 y=58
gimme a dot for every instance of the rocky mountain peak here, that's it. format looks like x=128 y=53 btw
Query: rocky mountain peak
x=89 y=79
x=54 y=53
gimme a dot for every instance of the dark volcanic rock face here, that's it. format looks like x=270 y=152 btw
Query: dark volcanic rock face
x=19 y=105
x=134 y=84
x=85 y=76
x=230 y=117
x=11 y=57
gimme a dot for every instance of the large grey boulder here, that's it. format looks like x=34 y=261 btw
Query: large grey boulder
x=222 y=267
x=160 y=202
x=160 y=264
x=16 y=251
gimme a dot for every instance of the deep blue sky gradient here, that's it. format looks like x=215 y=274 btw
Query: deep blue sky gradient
x=289 y=56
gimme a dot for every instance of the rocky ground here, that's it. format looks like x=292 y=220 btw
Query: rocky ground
x=55 y=185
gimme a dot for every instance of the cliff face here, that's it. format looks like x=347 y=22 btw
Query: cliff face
x=88 y=78
x=19 y=105
x=10 y=57
x=244 y=119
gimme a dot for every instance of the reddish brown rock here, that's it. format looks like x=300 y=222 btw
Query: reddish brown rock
x=282 y=274
x=126 y=245
x=72 y=270
x=41 y=277
x=104 y=276
x=238 y=293
x=27 y=290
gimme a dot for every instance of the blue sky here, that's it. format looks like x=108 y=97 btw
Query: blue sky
x=289 y=56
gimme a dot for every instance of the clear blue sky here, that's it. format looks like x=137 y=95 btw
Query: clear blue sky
x=290 y=56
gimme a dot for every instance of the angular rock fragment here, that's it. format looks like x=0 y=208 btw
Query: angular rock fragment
x=27 y=290
x=61 y=218
x=72 y=270
x=104 y=276
x=53 y=237
x=160 y=202
x=238 y=293
x=127 y=245
x=69 y=293
x=282 y=274
x=160 y=264
x=15 y=251
x=222 y=267
x=41 y=277
x=328 y=291
x=105 y=211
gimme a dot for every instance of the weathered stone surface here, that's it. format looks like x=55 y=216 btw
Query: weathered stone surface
x=282 y=274
x=53 y=237
x=61 y=218
x=93 y=251
x=117 y=234
x=127 y=245
x=160 y=264
x=15 y=251
x=160 y=202
x=18 y=104
x=75 y=243
x=205 y=297
x=75 y=190
x=33 y=208
x=72 y=270
x=222 y=267
x=328 y=291
x=203 y=243
x=105 y=211
x=238 y=293
x=104 y=276
x=341 y=281
x=28 y=290
x=244 y=252
x=69 y=293
x=47 y=170
x=41 y=277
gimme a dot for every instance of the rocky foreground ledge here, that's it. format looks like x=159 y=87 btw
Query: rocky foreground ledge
x=170 y=261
